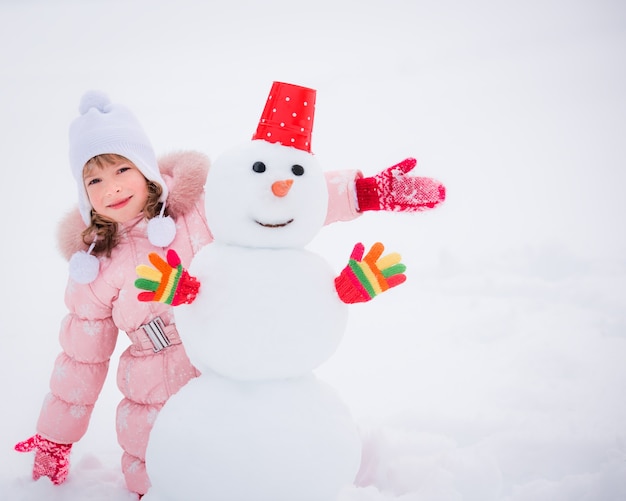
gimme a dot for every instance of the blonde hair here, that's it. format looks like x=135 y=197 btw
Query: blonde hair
x=103 y=229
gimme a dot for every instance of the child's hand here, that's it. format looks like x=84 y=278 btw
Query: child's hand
x=365 y=277
x=51 y=459
x=167 y=282
x=393 y=190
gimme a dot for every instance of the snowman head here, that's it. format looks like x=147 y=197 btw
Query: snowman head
x=270 y=192
x=267 y=195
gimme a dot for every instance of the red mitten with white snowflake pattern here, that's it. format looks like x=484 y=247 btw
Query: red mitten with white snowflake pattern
x=393 y=190
x=51 y=459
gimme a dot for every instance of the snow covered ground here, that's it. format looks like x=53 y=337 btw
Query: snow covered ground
x=497 y=372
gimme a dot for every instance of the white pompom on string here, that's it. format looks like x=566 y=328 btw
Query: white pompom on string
x=161 y=229
x=84 y=266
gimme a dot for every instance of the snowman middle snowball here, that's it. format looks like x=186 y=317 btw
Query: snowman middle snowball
x=260 y=274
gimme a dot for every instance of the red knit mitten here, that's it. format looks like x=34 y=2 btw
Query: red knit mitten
x=168 y=282
x=392 y=190
x=366 y=277
x=51 y=459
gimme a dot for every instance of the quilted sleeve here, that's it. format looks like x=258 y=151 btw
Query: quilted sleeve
x=88 y=336
x=342 y=203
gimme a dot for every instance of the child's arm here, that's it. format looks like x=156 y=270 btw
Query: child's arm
x=351 y=194
x=88 y=336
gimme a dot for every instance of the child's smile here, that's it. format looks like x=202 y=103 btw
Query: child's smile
x=120 y=204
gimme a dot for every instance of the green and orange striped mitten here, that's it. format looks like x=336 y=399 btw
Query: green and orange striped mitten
x=366 y=277
x=168 y=282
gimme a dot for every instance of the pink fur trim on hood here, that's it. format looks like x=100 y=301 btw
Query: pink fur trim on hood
x=185 y=174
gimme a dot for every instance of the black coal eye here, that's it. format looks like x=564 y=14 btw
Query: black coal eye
x=258 y=167
x=298 y=170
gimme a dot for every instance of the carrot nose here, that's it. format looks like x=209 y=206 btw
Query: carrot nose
x=281 y=188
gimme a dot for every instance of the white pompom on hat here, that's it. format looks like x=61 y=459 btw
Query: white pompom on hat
x=104 y=127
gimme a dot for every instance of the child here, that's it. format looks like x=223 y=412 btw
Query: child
x=125 y=201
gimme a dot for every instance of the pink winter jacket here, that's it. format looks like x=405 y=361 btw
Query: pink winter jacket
x=99 y=310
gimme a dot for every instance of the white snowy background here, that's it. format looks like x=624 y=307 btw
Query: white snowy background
x=498 y=371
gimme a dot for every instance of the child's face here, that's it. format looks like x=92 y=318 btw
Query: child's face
x=118 y=191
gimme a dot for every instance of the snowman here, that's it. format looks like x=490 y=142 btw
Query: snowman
x=258 y=425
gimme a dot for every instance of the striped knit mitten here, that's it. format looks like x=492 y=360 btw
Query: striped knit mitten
x=366 y=277
x=168 y=282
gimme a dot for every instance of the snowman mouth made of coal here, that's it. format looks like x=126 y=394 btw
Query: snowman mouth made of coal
x=274 y=225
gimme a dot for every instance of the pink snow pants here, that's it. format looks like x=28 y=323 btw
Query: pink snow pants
x=150 y=370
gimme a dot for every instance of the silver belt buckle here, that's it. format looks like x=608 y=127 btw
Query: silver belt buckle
x=155 y=330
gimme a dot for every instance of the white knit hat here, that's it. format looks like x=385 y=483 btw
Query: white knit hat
x=103 y=127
